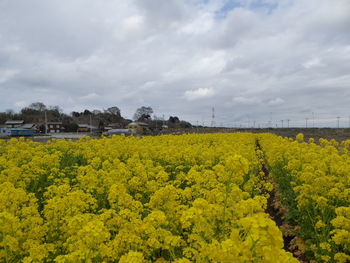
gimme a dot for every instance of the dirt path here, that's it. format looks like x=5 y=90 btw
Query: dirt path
x=276 y=212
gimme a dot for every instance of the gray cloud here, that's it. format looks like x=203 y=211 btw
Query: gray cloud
x=251 y=60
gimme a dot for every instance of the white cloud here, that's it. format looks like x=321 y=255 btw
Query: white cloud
x=275 y=102
x=199 y=25
x=21 y=104
x=199 y=93
x=7 y=74
x=133 y=22
x=246 y=100
x=314 y=62
x=89 y=97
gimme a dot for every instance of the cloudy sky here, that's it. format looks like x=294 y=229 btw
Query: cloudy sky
x=252 y=60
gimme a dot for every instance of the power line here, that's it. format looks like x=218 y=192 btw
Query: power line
x=308 y=122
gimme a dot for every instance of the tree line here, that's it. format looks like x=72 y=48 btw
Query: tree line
x=35 y=113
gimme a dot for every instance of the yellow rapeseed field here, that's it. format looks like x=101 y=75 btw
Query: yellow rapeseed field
x=189 y=198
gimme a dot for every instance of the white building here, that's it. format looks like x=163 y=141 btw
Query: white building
x=54 y=127
x=14 y=123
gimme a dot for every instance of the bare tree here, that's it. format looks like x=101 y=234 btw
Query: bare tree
x=56 y=108
x=113 y=110
x=143 y=113
x=96 y=112
x=10 y=112
x=39 y=106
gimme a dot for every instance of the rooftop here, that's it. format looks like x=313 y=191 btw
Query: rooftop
x=54 y=122
x=14 y=122
x=86 y=126
x=28 y=126
x=138 y=123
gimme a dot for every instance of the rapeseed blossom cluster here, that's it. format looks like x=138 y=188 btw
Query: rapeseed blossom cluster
x=190 y=198
x=314 y=183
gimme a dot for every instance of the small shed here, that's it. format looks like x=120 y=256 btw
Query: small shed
x=138 y=128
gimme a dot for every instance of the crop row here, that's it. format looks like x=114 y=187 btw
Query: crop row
x=313 y=182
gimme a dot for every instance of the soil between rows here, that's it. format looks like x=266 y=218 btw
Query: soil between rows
x=278 y=216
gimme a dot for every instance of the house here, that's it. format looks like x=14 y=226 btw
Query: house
x=139 y=128
x=118 y=132
x=54 y=127
x=14 y=123
x=30 y=126
x=113 y=126
x=86 y=128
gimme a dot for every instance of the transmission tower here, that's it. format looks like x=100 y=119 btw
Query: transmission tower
x=213 y=117
x=338 y=118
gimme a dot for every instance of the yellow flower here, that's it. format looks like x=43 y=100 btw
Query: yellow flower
x=132 y=257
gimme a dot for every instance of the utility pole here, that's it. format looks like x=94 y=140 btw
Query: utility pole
x=313 y=120
x=45 y=122
x=338 y=118
x=90 y=124
x=306 y=119
x=288 y=123
x=212 y=117
x=282 y=123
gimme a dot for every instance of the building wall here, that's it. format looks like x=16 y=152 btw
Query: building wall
x=54 y=128
x=13 y=125
x=138 y=129
x=5 y=132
